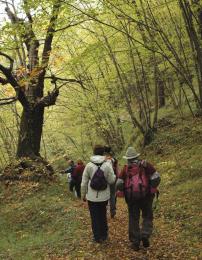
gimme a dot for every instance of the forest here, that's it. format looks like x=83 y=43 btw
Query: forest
x=114 y=72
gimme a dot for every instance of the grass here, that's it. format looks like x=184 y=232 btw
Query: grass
x=36 y=221
x=177 y=154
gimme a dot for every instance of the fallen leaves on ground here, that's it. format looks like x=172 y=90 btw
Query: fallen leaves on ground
x=164 y=242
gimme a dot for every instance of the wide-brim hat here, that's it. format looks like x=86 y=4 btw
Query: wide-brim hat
x=131 y=154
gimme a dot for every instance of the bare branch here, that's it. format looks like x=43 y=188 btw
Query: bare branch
x=3 y=81
x=6 y=101
x=48 y=100
x=49 y=34
x=72 y=25
x=11 y=79
x=9 y=58
x=28 y=36
x=27 y=11
x=54 y=79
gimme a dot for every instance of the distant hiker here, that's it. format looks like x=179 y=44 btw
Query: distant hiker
x=69 y=170
x=114 y=163
x=140 y=180
x=77 y=176
x=97 y=177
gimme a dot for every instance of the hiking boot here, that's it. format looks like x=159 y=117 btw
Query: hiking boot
x=135 y=246
x=145 y=242
x=113 y=214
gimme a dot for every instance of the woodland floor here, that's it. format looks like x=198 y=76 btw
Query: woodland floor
x=57 y=226
x=45 y=221
x=164 y=245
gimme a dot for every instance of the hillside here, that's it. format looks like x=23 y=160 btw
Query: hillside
x=45 y=221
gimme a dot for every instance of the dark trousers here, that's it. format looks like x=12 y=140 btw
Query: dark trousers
x=112 y=200
x=98 y=213
x=135 y=209
x=71 y=185
x=78 y=189
x=77 y=186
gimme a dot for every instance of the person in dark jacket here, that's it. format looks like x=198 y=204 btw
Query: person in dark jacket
x=69 y=170
x=77 y=176
x=143 y=204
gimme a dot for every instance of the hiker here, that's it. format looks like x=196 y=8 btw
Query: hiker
x=140 y=180
x=114 y=163
x=69 y=170
x=77 y=176
x=95 y=188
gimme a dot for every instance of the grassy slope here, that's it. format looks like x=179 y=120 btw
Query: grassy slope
x=46 y=222
x=177 y=153
x=37 y=220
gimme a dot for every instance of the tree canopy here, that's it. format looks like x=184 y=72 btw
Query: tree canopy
x=116 y=64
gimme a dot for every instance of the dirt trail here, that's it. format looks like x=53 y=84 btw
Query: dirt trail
x=164 y=243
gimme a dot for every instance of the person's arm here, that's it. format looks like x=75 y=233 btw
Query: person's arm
x=111 y=177
x=149 y=168
x=84 y=183
x=67 y=170
x=154 y=176
x=121 y=178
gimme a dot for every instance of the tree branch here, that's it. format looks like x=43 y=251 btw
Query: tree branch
x=7 y=72
x=48 y=100
x=9 y=58
x=3 y=81
x=49 y=35
x=71 y=25
x=54 y=79
x=28 y=36
x=6 y=101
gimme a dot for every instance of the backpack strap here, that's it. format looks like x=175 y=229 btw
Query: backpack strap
x=98 y=164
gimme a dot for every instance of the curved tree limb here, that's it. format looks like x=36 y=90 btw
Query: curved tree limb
x=9 y=58
x=48 y=100
x=3 y=81
x=10 y=79
x=6 y=101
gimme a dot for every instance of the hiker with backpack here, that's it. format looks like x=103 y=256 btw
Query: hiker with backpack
x=97 y=177
x=77 y=176
x=114 y=163
x=139 y=181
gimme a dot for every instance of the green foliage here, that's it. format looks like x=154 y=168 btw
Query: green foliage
x=120 y=50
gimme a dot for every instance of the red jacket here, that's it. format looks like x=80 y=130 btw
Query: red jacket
x=78 y=172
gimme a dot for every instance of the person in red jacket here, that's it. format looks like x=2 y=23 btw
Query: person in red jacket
x=77 y=176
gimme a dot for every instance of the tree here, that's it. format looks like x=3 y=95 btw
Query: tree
x=27 y=72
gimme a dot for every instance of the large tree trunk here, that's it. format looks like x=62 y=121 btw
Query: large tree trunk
x=30 y=132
